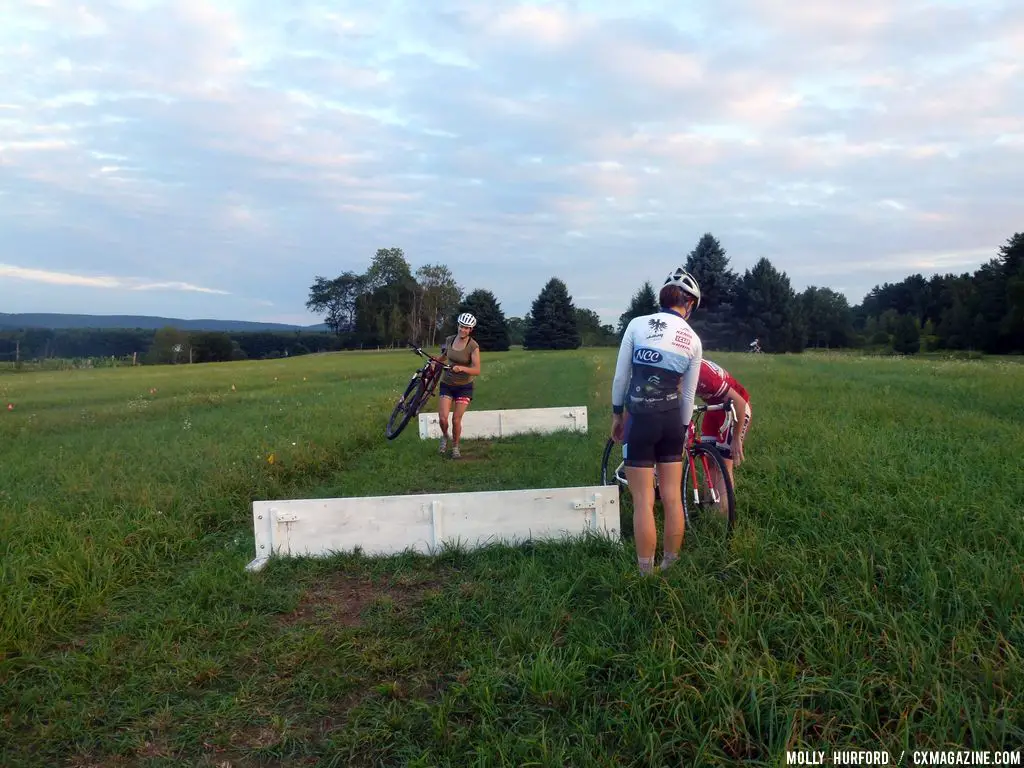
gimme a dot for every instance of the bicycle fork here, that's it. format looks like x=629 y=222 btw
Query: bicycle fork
x=712 y=492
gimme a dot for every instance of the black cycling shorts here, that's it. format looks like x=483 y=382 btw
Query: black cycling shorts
x=654 y=438
x=460 y=393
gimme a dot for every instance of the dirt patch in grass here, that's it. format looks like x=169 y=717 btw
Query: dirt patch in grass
x=256 y=737
x=473 y=450
x=342 y=599
x=92 y=762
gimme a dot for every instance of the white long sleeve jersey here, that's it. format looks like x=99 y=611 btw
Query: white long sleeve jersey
x=658 y=366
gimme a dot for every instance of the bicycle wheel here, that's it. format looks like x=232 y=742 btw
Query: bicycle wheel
x=607 y=468
x=702 y=466
x=612 y=473
x=406 y=407
x=613 y=470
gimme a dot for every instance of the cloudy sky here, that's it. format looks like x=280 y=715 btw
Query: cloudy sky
x=208 y=158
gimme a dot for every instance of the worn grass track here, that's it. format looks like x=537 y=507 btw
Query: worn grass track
x=871 y=597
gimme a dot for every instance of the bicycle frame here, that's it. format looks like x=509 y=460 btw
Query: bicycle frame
x=430 y=371
x=420 y=389
x=693 y=440
x=703 y=449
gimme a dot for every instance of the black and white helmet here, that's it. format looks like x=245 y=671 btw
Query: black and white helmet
x=684 y=280
x=467 y=319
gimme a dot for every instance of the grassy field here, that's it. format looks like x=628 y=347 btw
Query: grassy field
x=872 y=596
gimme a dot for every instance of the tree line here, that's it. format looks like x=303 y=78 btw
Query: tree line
x=982 y=311
x=979 y=311
x=390 y=303
x=161 y=346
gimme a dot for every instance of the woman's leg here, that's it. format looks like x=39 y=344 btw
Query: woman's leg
x=639 y=471
x=444 y=404
x=720 y=482
x=670 y=484
x=729 y=462
x=459 y=409
x=641 y=488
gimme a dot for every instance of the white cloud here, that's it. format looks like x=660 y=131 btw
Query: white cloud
x=100 y=281
x=256 y=146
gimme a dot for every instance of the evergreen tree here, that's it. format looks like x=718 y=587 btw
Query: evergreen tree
x=828 y=317
x=552 y=319
x=709 y=265
x=715 y=320
x=906 y=338
x=770 y=309
x=491 y=331
x=644 y=302
x=1011 y=259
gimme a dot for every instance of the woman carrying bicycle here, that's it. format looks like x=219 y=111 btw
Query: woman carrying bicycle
x=655 y=382
x=456 y=390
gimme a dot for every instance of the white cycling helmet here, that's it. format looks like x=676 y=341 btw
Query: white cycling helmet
x=684 y=280
x=467 y=319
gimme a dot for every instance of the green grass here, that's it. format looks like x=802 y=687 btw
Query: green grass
x=870 y=598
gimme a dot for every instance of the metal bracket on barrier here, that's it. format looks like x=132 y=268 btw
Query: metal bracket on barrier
x=574 y=415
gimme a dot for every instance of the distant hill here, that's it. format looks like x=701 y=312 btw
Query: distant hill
x=60 y=321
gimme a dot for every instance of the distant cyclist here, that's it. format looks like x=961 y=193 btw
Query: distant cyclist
x=655 y=383
x=457 y=384
x=716 y=385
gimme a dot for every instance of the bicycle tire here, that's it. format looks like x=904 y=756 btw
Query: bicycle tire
x=605 y=478
x=604 y=461
x=416 y=383
x=715 y=457
x=427 y=392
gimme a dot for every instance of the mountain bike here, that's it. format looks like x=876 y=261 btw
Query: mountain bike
x=420 y=389
x=703 y=465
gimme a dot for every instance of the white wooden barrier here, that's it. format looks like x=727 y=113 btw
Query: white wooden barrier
x=387 y=525
x=483 y=424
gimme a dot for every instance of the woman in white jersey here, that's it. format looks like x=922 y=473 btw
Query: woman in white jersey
x=655 y=383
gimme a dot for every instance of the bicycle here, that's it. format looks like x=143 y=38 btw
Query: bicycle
x=420 y=389
x=701 y=454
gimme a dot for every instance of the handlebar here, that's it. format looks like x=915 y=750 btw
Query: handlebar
x=730 y=419
x=419 y=351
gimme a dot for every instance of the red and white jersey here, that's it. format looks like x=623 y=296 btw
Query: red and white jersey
x=714 y=382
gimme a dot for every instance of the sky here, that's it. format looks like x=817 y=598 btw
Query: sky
x=208 y=159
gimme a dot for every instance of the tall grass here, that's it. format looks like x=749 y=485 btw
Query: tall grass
x=870 y=598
